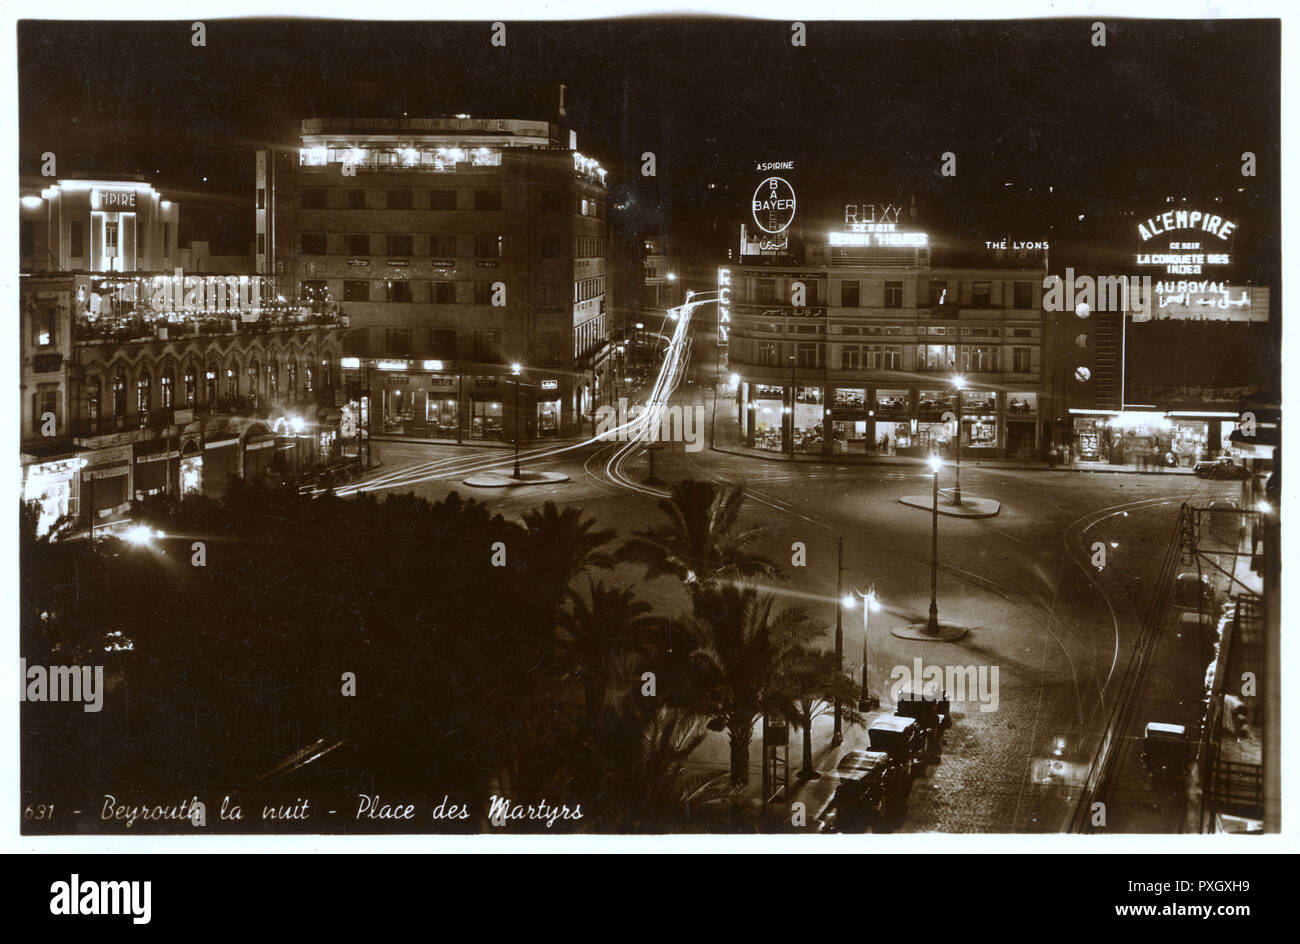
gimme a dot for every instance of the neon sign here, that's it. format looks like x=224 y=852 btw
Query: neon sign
x=774 y=205
x=1172 y=220
x=724 y=306
x=879 y=239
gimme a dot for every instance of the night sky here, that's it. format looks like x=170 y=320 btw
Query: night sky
x=865 y=110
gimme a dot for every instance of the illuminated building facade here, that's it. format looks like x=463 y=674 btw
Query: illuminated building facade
x=136 y=385
x=456 y=247
x=121 y=225
x=862 y=338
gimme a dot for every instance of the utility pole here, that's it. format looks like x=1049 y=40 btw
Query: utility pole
x=838 y=737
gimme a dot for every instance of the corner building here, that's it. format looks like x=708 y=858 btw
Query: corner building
x=887 y=346
x=454 y=248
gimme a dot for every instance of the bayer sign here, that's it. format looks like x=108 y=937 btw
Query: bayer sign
x=774 y=205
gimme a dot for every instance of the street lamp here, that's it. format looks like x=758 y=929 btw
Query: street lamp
x=516 y=369
x=869 y=603
x=959 y=382
x=932 y=626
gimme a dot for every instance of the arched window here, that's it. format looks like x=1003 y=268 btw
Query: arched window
x=291 y=365
x=166 y=389
x=273 y=378
x=210 y=384
x=119 y=394
x=144 y=395
x=327 y=372
x=191 y=385
x=306 y=378
x=93 y=394
x=254 y=378
x=232 y=382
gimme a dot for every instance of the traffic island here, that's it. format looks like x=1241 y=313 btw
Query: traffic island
x=505 y=479
x=944 y=632
x=969 y=507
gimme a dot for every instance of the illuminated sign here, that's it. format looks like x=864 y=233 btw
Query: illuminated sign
x=113 y=200
x=774 y=165
x=1195 y=300
x=871 y=213
x=879 y=239
x=550 y=384
x=1005 y=244
x=1186 y=219
x=724 y=306
x=1186 y=256
x=774 y=205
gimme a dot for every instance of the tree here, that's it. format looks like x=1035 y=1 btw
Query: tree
x=703 y=542
x=812 y=688
x=598 y=634
x=561 y=545
x=747 y=653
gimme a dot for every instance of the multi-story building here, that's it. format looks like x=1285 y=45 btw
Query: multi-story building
x=456 y=247
x=136 y=380
x=865 y=339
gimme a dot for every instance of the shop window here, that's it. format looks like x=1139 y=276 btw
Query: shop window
x=764 y=290
x=356 y=291
x=936 y=357
x=273 y=378
x=254 y=378
x=486 y=420
x=399 y=200
x=400 y=245
x=893 y=294
x=850 y=398
x=357 y=244
x=482 y=293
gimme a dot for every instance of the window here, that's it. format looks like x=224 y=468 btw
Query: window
x=232 y=383
x=313 y=244
x=444 y=293
x=166 y=390
x=850 y=294
x=1020 y=360
x=552 y=201
x=442 y=244
x=144 y=395
x=167 y=240
x=1024 y=294
x=850 y=357
x=273 y=378
x=893 y=294
x=76 y=239
x=398 y=342
x=191 y=381
x=119 y=394
x=400 y=200
x=766 y=354
x=808 y=355
x=261 y=198
x=764 y=290
x=487 y=199
x=893 y=357
x=983 y=357
x=45 y=326
x=110 y=239
x=313 y=199
x=400 y=245
x=442 y=199
x=443 y=343
x=357 y=244
x=399 y=291
x=254 y=378
x=46 y=400
x=939 y=294
x=356 y=199
x=356 y=291
x=486 y=345
x=482 y=293
x=551 y=247
x=936 y=357
x=488 y=245
x=981 y=294
x=548 y=347
x=261 y=245
x=93 y=394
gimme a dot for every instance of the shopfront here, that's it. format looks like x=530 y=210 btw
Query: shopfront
x=220 y=461
x=548 y=408
x=1148 y=439
x=487 y=414
x=191 y=469
x=50 y=485
x=809 y=419
x=979 y=422
x=105 y=483
x=156 y=467
x=768 y=410
x=1022 y=424
x=850 y=419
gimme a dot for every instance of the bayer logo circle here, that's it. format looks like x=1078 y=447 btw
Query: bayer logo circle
x=1083 y=309
x=1082 y=374
x=774 y=205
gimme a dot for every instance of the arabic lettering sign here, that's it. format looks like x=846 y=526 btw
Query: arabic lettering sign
x=1197 y=300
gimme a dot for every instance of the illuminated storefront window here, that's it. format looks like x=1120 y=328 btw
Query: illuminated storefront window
x=809 y=416
x=769 y=416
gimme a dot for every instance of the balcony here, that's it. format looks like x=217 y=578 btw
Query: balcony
x=134 y=330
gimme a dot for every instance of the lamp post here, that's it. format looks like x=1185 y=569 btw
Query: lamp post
x=932 y=626
x=516 y=369
x=837 y=737
x=869 y=603
x=958 y=382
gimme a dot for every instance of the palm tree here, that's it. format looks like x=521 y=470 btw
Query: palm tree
x=746 y=657
x=813 y=688
x=561 y=545
x=644 y=779
x=702 y=542
x=598 y=634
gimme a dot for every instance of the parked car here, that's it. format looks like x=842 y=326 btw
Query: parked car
x=1164 y=749
x=872 y=786
x=1221 y=468
x=1193 y=591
